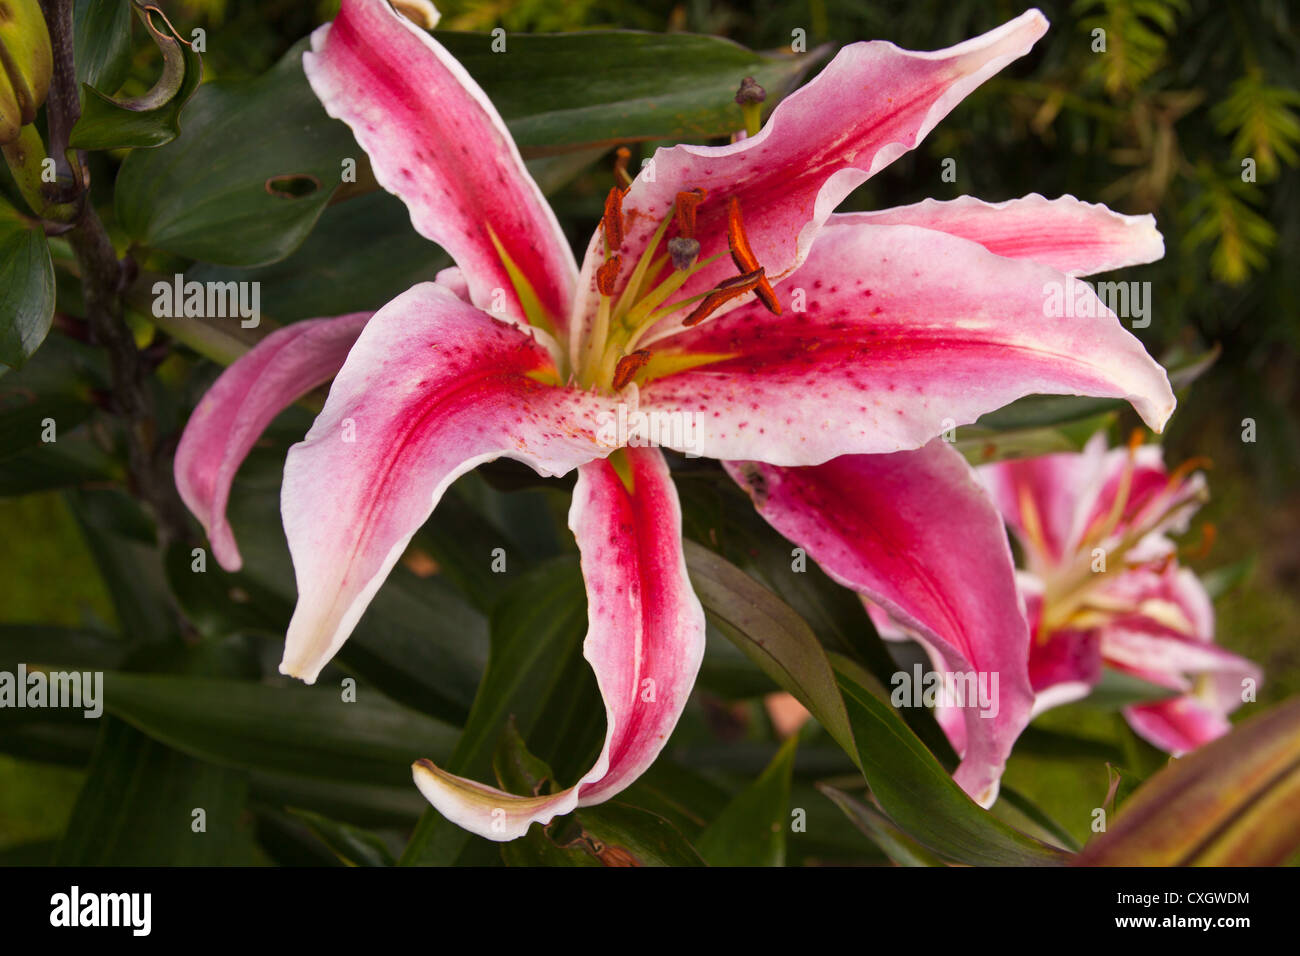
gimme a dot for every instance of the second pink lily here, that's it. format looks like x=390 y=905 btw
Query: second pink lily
x=819 y=355
x=1103 y=587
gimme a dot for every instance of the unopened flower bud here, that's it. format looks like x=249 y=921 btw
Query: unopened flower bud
x=26 y=65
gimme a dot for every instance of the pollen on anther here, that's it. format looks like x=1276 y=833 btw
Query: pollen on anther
x=607 y=275
x=743 y=255
x=725 y=292
x=686 y=205
x=628 y=366
x=613 y=219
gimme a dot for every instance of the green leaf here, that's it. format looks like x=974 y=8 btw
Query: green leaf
x=1225 y=580
x=728 y=672
x=1056 y=745
x=715 y=512
x=771 y=634
x=217 y=603
x=607 y=835
x=981 y=445
x=751 y=830
x=921 y=798
x=536 y=848
x=565 y=91
x=896 y=844
x=72 y=460
x=219 y=192
x=623 y=835
x=361 y=254
x=685 y=798
x=520 y=772
x=26 y=289
x=147 y=121
x=65 y=647
x=554 y=95
x=102 y=42
x=537 y=629
x=1012 y=805
x=461 y=539
x=419 y=642
x=58 y=383
x=107 y=124
x=1117 y=690
x=120 y=538
x=363 y=804
x=313 y=732
x=1042 y=424
x=1233 y=802
x=138 y=805
x=1120 y=785
x=351 y=844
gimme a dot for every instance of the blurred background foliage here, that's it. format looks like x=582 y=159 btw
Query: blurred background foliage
x=1186 y=98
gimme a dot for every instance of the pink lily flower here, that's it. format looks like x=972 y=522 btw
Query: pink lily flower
x=865 y=337
x=1104 y=588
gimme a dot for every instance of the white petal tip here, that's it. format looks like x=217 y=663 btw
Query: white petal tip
x=295 y=669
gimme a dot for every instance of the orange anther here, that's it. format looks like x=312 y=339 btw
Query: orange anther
x=613 y=219
x=743 y=256
x=628 y=366
x=725 y=292
x=607 y=275
x=686 y=203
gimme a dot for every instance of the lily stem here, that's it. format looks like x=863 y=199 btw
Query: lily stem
x=102 y=282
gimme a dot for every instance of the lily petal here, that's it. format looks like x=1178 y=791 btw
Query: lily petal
x=907 y=332
x=1045 y=499
x=1213 y=678
x=437 y=142
x=432 y=388
x=234 y=412
x=1179 y=725
x=916 y=534
x=645 y=643
x=871 y=104
x=1076 y=237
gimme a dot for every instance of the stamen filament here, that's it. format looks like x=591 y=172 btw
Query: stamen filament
x=534 y=311
x=621 y=157
x=638 y=315
x=633 y=288
x=596 y=350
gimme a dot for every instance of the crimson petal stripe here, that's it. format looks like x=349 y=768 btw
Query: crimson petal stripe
x=232 y=414
x=645 y=643
x=436 y=141
x=432 y=388
x=916 y=534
